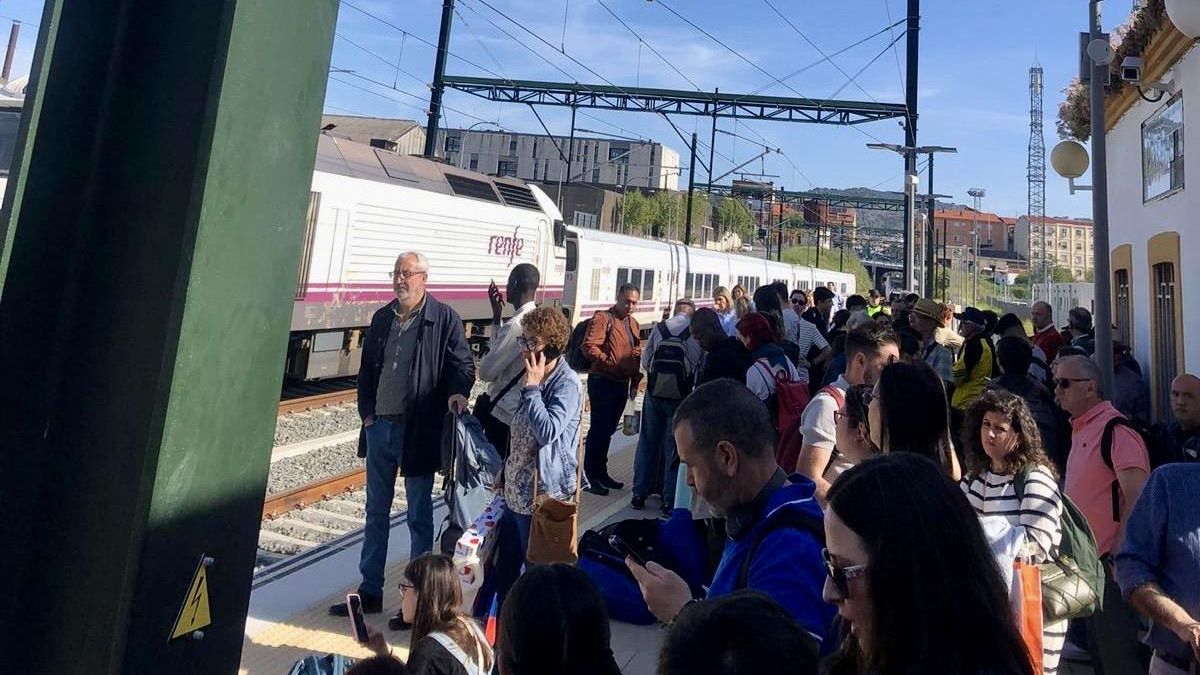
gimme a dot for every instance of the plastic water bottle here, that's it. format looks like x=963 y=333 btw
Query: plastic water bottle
x=633 y=419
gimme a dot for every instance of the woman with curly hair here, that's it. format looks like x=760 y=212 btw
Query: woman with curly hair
x=545 y=428
x=1002 y=442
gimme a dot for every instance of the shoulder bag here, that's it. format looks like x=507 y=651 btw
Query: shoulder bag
x=554 y=530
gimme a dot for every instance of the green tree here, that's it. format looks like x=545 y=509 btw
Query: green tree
x=640 y=213
x=942 y=282
x=1089 y=275
x=1062 y=274
x=733 y=216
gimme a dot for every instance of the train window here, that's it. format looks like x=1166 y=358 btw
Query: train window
x=572 y=255
x=622 y=276
x=843 y=289
x=635 y=278
x=689 y=286
x=648 y=285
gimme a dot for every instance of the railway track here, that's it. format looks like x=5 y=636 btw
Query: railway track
x=281 y=503
x=299 y=398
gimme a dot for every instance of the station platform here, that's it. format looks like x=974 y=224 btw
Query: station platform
x=288 y=617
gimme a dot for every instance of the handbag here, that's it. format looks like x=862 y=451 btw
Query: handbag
x=554 y=528
x=1029 y=618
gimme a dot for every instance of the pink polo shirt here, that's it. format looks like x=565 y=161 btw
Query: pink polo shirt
x=1089 y=480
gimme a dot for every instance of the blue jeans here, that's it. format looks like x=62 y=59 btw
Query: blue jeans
x=385 y=447
x=656 y=450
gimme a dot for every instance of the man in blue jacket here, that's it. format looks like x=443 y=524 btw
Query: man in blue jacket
x=725 y=437
x=415 y=363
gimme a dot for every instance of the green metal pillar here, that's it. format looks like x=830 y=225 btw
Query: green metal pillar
x=148 y=260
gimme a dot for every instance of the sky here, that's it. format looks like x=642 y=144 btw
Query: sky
x=973 y=82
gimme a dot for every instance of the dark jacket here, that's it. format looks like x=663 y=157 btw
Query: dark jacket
x=442 y=367
x=729 y=359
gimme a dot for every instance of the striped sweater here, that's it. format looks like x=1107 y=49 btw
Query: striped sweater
x=1038 y=514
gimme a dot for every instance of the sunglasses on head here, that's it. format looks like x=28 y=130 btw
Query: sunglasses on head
x=841 y=576
x=1065 y=382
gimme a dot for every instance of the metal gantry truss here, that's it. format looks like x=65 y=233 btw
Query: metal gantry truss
x=1036 y=171
x=678 y=102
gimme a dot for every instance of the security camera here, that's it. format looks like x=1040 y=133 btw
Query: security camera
x=1131 y=69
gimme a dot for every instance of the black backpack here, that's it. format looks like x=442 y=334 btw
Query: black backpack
x=794 y=520
x=576 y=358
x=1153 y=449
x=671 y=376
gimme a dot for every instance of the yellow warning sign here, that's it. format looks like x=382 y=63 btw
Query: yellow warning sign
x=194 y=614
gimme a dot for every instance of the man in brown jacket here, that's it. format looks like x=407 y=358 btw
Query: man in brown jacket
x=614 y=346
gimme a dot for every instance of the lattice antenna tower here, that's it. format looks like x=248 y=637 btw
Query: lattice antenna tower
x=1036 y=172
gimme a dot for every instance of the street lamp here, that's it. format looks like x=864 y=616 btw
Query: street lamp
x=1070 y=160
x=977 y=194
x=908 y=153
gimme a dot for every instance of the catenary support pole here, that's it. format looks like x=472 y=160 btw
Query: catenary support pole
x=12 y=50
x=439 y=72
x=138 y=444
x=930 y=244
x=687 y=230
x=910 y=137
x=1103 y=278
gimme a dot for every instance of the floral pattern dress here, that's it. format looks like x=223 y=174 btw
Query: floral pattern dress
x=519 y=467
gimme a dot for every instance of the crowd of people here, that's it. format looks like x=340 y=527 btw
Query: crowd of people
x=870 y=546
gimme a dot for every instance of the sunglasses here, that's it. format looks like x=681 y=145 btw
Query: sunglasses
x=838 y=416
x=868 y=396
x=797 y=301
x=841 y=576
x=1065 y=382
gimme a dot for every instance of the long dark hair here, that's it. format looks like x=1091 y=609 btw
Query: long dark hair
x=554 y=622
x=1029 y=439
x=938 y=603
x=915 y=412
x=439 y=595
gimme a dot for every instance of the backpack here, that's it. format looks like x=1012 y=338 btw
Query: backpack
x=671 y=375
x=1153 y=450
x=790 y=438
x=1076 y=560
x=576 y=358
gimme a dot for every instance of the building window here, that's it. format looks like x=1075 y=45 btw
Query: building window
x=584 y=219
x=535 y=149
x=1165 y=366
x=1078 y=260
x=618 y=155
x=595 y=175
x=453 y=144
x=474 y=166
x=506 y=168
x=1162 y=150
x=1122 y=315
x=512 y=147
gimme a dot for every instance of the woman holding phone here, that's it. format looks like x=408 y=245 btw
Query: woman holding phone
x=545 y=429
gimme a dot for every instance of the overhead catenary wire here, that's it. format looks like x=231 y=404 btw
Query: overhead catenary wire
x=643 y=41
x=820 y=51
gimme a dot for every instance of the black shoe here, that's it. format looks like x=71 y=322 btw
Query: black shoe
x=371 y=604
x=608 y=482
x=598 y=489
x=397 y=622
x=666 y=509
x=638 y=503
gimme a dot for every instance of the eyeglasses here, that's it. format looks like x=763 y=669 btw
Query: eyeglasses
x=405 y=276
x=838 y=416
x=529 y=343
x=405 y=587
x=841 y=576
x=797 y=301
x=1065 y=382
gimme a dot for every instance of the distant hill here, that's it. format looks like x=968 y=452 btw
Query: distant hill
x=892 y=220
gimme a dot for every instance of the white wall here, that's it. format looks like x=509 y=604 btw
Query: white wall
x=1134 y=223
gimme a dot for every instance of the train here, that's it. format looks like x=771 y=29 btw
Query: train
x=367 y=205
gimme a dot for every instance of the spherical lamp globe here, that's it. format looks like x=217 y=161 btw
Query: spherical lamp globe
x=1069 y=159
x=1185 y=14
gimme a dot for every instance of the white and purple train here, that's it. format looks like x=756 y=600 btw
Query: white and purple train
x=367 y=205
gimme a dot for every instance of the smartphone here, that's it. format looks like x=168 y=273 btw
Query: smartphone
x=625 y=549
x=358 y=623
x=550 y=353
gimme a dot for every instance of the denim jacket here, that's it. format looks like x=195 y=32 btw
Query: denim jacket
x=553 y=414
